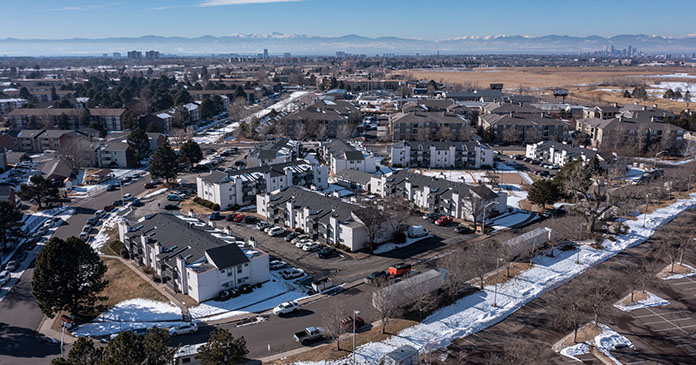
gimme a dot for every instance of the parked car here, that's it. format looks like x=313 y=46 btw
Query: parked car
x=118 y=203
x=432 y=217
x=276 y=231
x=48 y=223
x=183 y=329
x=111 y=187
x=327 y=253
x=463 y=229
x=99 y=213
x=261 y=225
x=299 y=238
x=417 y=231
x=288 y=237
x=174 y=198
x=347 y=323
x=93 y=221
x=285 y=308
x=84 y=235
x=239 y=217
x=376 y=277
x=12 y=265
x=127 y=197
x=136 y=202
x=443 y=221
x=311 y=247
x=302 y=242
x=309 y=335
x=171 y=207
x=250 y=219
x=149 y=185
x=517 y=157
x=214 y=216
x=399 y=269
x=277 y=265
x=4 y=277
x=108 y=207
x=137 y=331
x=292 y=273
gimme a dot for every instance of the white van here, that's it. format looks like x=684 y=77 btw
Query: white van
x=417 y=231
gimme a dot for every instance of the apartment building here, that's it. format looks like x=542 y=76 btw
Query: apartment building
x=336 y=117
x=340 y=155
x=24 y=118
x=326 y=219
x=275 y=152
x=432 y=194
x=560 y=153
x=602 y=112
x=115 y=154
x=40 y=140
x=239 y=188
x=7 y=105
x=442 y=155
x=425 y=126
x=518 y=128
x=191 y=258
x=640 y=133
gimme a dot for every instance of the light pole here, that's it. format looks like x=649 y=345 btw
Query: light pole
x=688 y=187
x=645 y=214
x=655 y=160
x=495 y=292
x=577 y=259
x=355 y=316
x=483 y=222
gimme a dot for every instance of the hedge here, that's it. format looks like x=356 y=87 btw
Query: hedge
x=206 y=203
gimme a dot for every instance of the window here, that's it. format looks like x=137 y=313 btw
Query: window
x=239 y=269
x=185 y=360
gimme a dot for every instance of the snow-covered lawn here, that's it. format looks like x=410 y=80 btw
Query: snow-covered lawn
x=681 y=276
x=475 y=312
x=102 y=236
x=605 y=342
x=154 y=193
x=270 y=294
x=393 y=246
x=141 y=310
x=214 y=135
x=651 y=301
x=337 y=189
x=507 y=220
x=515 y=194
x=667 y=162
x=95 y=329
x=283 y=105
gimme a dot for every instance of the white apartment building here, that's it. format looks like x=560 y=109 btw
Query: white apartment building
x=442 y=155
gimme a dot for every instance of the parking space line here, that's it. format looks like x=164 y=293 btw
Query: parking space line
x=676 y=327
x=657 y=314
x=675 y=319
x=668 y=321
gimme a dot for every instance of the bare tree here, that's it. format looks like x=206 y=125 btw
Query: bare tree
x=473 y=205
x=457 y=271
x=568 y=309
x=76 y=152
x=399 y=211
x=639 y=274
x=597 y=292
x=521 y=351
x=423 y=298
x=374 y=220
x=331 y=321
x=481 y=258
x=444 y=134
x=672 y=246
x=385 y=300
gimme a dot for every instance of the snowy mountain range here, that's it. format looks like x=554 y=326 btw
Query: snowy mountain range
x=301 y=44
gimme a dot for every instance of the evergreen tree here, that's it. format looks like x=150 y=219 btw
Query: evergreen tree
x=10 y=224
x=82 y=352
x=126 y=348
x=54 y=95
x=155 y=347
x=627 y=94
x=223 y=349
x=544 y=192
x=86 y=118
x=190 y=152
x=63 y=121
x=139 y=144
x=208 y=109
x=669 y=94
x=640 y=93
x=164 y=163
x=68 y=275
x=39 y=191
x=24 y=93
x=182 y=97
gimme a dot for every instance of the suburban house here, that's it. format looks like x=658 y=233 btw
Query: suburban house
x=270 y=153
x=191 y=258
x=602 y=112
x=428 y=125
x=432 y=194
x=239 y=188
x=109 y=118
x=460 y=155
x=560 y=153
x=340 y=155
x=324 y=218
x=516 y=128
x=354 y=180
x=638 y=133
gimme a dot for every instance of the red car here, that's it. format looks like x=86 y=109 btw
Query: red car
x=108 y=208
x=347 y=323
x=149 y=185
x=239 y=218
x=443 y=221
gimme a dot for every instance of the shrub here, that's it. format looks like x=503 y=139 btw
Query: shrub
x=216 y=207
x=117 y=247
x=124 y=253
x=399 y=237
x=156 y=278
x=299 y=230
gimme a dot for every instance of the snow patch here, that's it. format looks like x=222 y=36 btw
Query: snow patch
x=393 y=246
x=651 y=301
x=681 y=276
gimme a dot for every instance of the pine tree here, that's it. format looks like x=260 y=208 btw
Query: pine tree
x=164 y=163
x=208 y=109
x=190 y=152
x=10 y=224
x=155 y=347
x=139 y=143
x=544 y=192
x=68 y=275
x=39 y=191
x=126 y=348
x=86 y=118
x=223 y=349
x=82 y=352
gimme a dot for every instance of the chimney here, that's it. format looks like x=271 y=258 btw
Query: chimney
x=645 y=108
x=620 y=117
x=652 y=119
x=512 y=114
x=616 y=105
x=655 y=106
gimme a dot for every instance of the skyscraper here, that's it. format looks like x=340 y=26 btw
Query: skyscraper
x=265 y=53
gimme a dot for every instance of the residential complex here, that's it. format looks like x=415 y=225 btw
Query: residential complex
x=438 y=155
x=340 y=155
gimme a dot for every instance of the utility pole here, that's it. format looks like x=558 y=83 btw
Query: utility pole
x=355 y=316
x=645 y=213
x=577 y=259
x=495 y=292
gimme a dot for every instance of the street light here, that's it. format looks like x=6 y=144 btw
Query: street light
x=688 y=188
x=577 y=259
x=495 y=292
x=645 y=214
x=483 y=223
x=355 y=316
x=655 y=160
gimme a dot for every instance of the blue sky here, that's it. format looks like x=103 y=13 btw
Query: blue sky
x=428 y=19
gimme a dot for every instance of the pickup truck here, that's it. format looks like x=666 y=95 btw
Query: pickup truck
x=309 y=335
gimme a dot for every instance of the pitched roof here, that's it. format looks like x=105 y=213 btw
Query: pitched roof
x=226 y=256
x=355 y=176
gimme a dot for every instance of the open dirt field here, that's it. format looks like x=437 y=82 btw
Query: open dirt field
x=585 y=84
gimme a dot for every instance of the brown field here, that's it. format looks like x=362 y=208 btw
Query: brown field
x=581 y=82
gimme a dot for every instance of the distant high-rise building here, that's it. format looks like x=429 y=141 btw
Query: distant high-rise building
x=135 y=55
x=265 y=53
x=341 y=54
x=612 y=50
x=287 y=55
x=105 y=55
x=116 y=55
x=150 y=55
x=630 y=51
